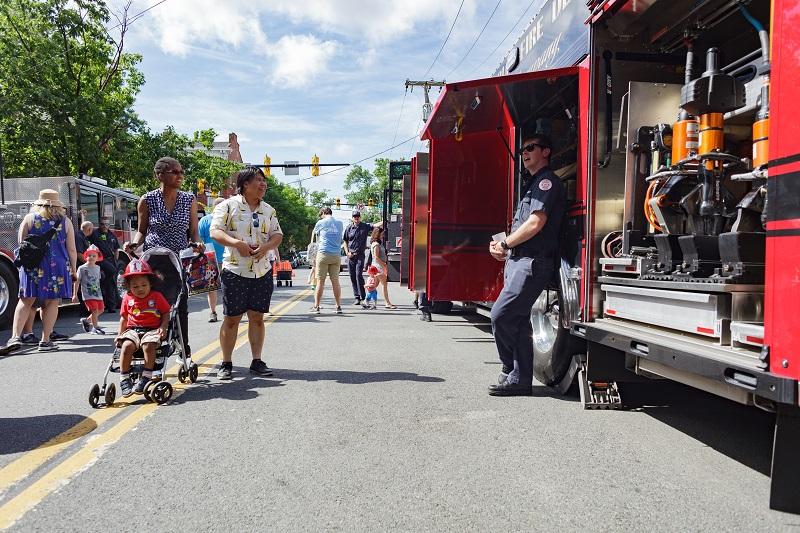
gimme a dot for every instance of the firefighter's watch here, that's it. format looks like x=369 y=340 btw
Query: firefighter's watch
x=505 y=245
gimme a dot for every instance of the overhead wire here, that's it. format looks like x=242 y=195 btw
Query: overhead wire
x=445 y=40
x=401 y=143
x=397 y=126
x=485 y=59
x=476 y=39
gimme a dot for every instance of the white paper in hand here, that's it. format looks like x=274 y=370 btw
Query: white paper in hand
x=500 y=237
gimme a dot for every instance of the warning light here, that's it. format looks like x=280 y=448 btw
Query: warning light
x=267 y=161
x=338 y=203
x=371 y=202
x=201 y=186
x=315 y=165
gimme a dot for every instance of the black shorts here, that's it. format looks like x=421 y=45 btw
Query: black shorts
x=240 y=294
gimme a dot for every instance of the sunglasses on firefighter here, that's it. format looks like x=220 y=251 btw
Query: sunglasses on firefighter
x=530 y=147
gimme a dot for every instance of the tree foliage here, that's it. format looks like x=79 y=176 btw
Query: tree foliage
x=362 y=186
x=67 y=88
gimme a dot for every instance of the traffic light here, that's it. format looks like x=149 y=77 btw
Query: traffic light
x=315 y=165
x=267 y=161
x=338 y=203
x=201 y=186
x=371 y=202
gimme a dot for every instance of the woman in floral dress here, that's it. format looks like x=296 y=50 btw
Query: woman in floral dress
x=53 y=279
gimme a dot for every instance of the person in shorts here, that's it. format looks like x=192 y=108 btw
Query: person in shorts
x=248 y=228
x=89 y=276
x=371 y=286
x=144 y=315
x=328 y=233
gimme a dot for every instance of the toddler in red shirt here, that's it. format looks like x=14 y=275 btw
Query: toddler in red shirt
x=144 y=315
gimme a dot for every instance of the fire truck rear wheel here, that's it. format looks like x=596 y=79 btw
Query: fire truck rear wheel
x=553 y=345
x=9 y=289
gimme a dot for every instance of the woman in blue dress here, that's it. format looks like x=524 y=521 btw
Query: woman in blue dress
x=53 y=279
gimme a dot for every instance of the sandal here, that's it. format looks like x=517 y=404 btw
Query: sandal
x=390 y=306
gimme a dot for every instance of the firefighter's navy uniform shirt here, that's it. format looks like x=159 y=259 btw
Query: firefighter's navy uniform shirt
x=541 y=192
x=356 y=237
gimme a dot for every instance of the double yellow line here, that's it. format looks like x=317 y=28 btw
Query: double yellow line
x=91 y=450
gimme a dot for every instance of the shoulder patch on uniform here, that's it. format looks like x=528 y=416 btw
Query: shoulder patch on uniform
x=545 y=184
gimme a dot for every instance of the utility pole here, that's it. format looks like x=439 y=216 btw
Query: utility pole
x=426 y=86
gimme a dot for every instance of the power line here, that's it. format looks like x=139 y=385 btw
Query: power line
x=397 y=126
x=445 y=40
x=357 y=162
x=485 y=59
x=476 y=39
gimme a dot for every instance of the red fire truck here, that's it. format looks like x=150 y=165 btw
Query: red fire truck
x=86 y=198
x=675 y=139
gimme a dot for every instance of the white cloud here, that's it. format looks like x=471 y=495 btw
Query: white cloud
x=299 y=59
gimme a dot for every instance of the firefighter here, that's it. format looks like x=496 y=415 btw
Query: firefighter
x=530 y=252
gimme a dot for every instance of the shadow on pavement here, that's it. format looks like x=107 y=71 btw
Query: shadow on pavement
x=242 y=387
x=27 y=433
x=743 y=433
x=351 y=377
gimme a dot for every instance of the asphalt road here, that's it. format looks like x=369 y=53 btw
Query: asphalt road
x=374 y=421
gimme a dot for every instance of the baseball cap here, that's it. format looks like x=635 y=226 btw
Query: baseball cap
x=356 y=213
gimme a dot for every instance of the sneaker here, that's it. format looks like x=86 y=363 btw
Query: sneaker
x=212 y=317
x=140 y=385
x=365 y=305
x=338 y=309
x=14 y=343
x=260 y=367
x=48 y=346
x=373 y=306
x=56 y=336
x=357 y=301
x=97 y=331
x=101 y=330
x=87 y=327
x=225 y=371
x=125 y=387
x=315 y=310
x=29 y=338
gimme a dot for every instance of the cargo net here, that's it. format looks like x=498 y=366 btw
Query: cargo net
x=19 y=194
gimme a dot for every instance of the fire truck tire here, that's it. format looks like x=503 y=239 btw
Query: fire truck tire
x=553 y=344
x=9 y=291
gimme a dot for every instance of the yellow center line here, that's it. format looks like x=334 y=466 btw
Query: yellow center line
x=23 y=466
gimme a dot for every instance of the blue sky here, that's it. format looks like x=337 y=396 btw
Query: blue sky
x=293 y=78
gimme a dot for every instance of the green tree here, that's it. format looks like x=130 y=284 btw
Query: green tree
x=319 y=199
x=67 y=87
x=198 y=165
x=296 y=218
x=363 y=186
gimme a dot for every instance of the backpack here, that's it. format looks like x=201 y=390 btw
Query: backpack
x=33 y=248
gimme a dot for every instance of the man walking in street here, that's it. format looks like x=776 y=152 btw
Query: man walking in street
x=248 y=228
x=355 y=245
x=534 y=248
x=328 y=233
x=109 y=247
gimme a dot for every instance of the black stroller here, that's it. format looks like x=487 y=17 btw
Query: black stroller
x=172 y=284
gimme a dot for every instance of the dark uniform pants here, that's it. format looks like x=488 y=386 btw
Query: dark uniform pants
x=355 y=265
x=524 y=280
x=108 y=285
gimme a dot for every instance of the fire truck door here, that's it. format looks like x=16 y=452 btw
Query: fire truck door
x=473 y=132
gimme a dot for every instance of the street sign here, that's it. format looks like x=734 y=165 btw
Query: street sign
x=291 y=168
x=360 y=207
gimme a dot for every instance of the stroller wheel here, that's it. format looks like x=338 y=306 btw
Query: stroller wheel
x=94 y=396
x=182 y=374
x=162 y=392
x=111 y=394
x=193 y=371
x=148 y=389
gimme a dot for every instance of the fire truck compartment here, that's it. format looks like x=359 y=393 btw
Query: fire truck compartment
x=473 y=132
x=696 y=361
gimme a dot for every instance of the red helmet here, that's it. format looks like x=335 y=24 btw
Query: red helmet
x=372 y=270
x=137 y=267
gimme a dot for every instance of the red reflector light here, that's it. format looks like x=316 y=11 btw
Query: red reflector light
x=630 y=268
x=756 y=340
x=610 y=312
x=709 y=331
